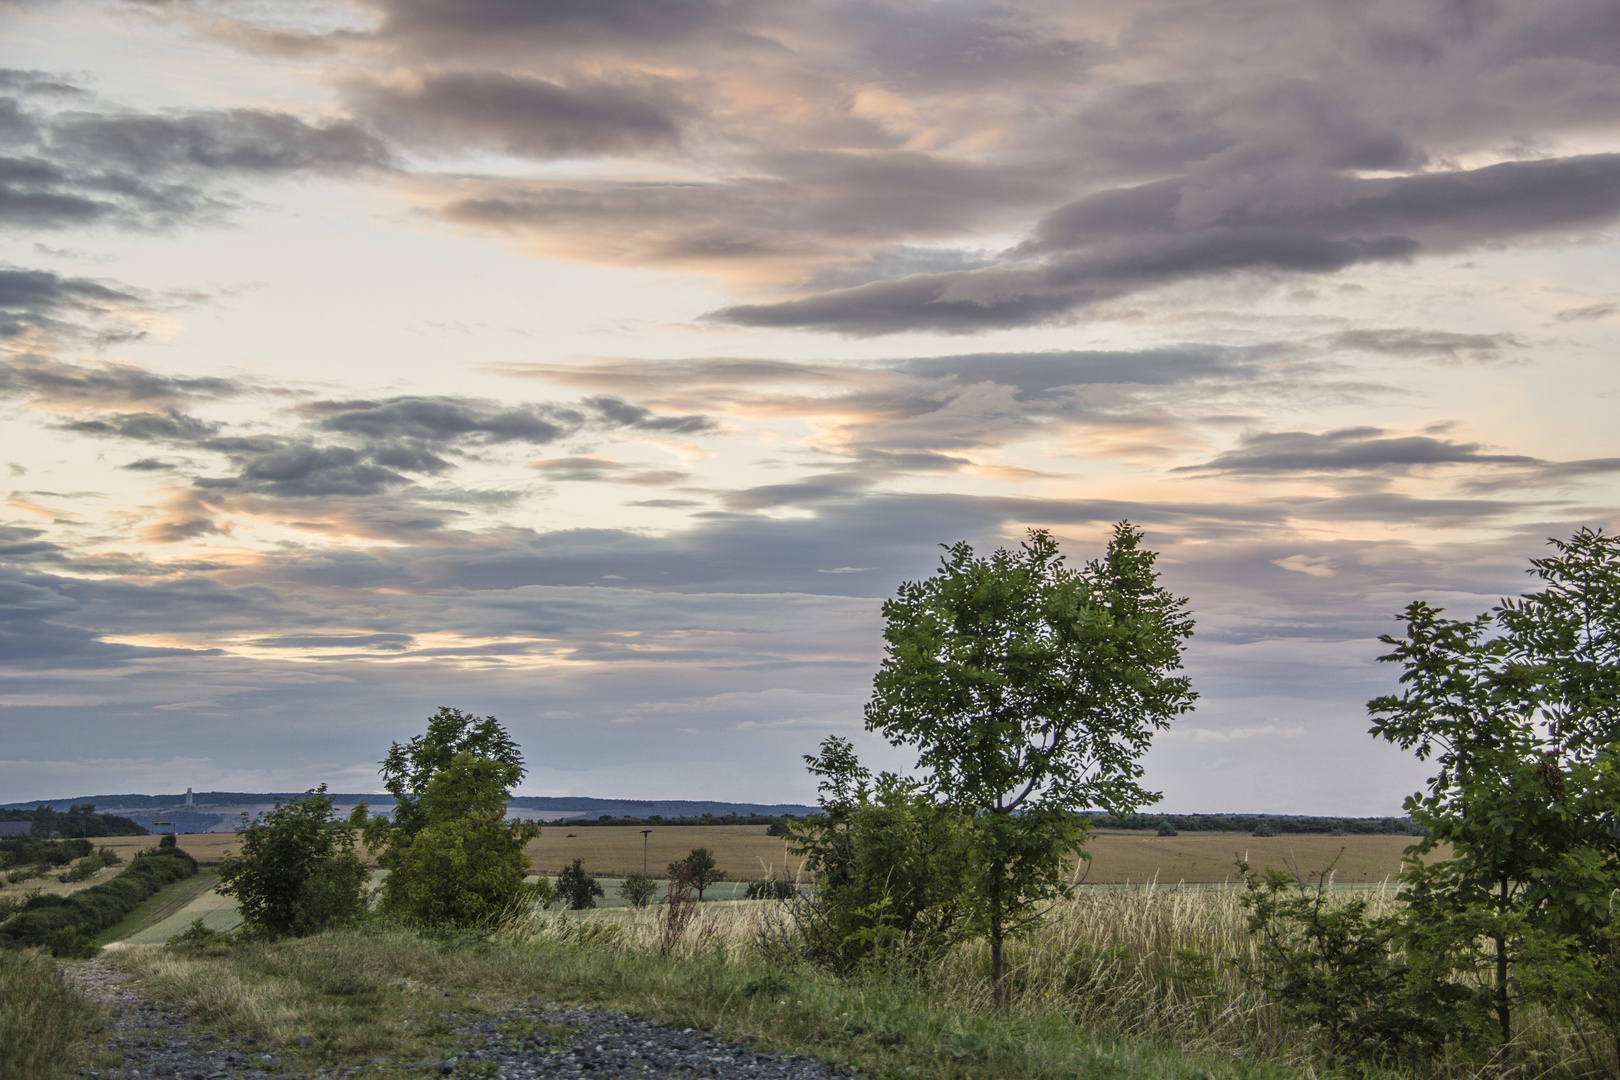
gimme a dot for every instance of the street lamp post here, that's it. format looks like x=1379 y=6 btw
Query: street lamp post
x=644 y=834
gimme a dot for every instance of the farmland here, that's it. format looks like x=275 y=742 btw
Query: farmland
x=745 y=853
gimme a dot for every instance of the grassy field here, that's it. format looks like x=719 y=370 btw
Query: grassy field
x=162 y=904
x=744 y=852
x=1123 y=983
x=386 y=994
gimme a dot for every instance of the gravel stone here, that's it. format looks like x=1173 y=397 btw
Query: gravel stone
x=157 y=1042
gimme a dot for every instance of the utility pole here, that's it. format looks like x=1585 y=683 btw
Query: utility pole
x=644 y=834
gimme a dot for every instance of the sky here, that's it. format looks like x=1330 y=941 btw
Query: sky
x=602 y=365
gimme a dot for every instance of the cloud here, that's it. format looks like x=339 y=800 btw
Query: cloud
x=606 y=470
x=96 y=163
x=39 y=300
x=1435 y=344
x=1361 y=449
x=518 y=115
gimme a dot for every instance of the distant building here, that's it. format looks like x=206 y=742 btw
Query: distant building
x=188 y=798
x=9 y=829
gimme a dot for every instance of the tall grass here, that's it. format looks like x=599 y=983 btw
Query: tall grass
x=43 y=1020
x=1143 y=983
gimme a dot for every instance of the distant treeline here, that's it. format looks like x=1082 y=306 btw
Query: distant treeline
x=701 y=819
x=1277 y=824
x=75 y=821
x=1263 y=824
x=31 y=851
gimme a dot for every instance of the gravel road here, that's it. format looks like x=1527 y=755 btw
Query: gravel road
x=157 y=1043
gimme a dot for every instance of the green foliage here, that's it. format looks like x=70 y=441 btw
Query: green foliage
x=43 y=1020
x=1337 y=971
x=168 y=840
x=298 y=871
x=1167 y=829
x=409 y=769
x=91 y=865
x=1520 y=710
x=772 y=888
x=1263 y=828
x=638 y=890
x=888 y=862
x=75 y=821
x=451 y=854
x=699 y=869
x=33 y=851
x=68 y=925
x=578 y=888
x=1030 y=692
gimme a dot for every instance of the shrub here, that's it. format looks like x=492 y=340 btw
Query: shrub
x=638 y=890
x=90 y=865
x=298 y=872
x=1264 y=827
x=888 y=865
x=1167 y=829
x=1337 y=971
x=772 y=888
x=168 y=840
x=43 y=1021
x=577 y=888
x=68 y=925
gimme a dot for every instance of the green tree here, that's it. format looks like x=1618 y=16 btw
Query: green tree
x=638 y=890
x=701 y=871
x=451 y=854
x=1518 y=710
x=409 y=768
x=577 y=888
x=298 y=871
x=1030 y=692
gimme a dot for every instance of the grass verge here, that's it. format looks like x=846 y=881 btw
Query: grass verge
x=159 y=906
x=43 y=1020
x=379 y=995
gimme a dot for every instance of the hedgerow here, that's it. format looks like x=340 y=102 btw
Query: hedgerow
x=68 y=925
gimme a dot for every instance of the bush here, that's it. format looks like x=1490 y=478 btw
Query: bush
x=1167 y=829
x=298 y=872
x=772 y=888
x=577 y=888
x=888 y=865
x=90 y=865
x=1337 y=971
x=68 y=925
x=43 y=1020
x=638 y=890
x=1264 y=828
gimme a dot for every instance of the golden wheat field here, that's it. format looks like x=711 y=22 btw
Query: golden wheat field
x=745 y=853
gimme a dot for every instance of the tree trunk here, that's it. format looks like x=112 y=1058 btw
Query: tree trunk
x=1503 y=1014
x=998 y=992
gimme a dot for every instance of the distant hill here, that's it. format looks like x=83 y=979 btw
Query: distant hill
x=220 y=811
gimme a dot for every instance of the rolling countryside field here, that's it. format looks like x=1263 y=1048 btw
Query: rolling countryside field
x=745 y=853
